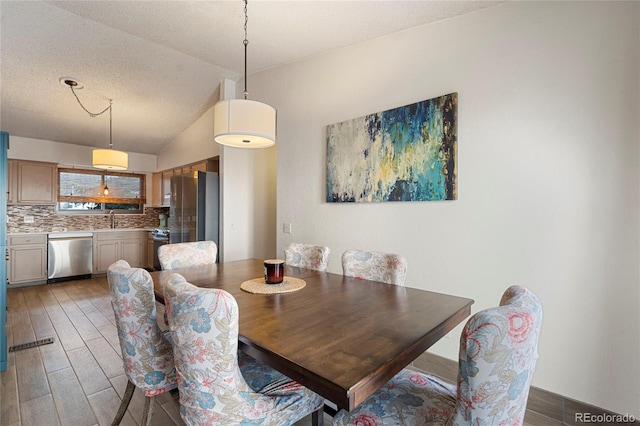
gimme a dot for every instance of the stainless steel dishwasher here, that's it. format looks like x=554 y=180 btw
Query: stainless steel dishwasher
x=70 y=254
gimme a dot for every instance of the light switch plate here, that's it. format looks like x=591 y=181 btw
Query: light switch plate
x=286 y=228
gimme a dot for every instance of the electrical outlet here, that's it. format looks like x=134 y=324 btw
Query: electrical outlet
x=28 y=219
x=286 y=228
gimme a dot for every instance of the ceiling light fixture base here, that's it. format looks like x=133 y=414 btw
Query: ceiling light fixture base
x=71 y=82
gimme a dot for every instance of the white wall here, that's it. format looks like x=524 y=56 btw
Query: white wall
x=249 y=203
x=548 y=173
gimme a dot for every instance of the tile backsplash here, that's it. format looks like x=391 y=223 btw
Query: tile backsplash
x=45 y=219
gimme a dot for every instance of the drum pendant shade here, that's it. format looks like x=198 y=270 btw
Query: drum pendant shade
x=110 y=159
x=244 y=123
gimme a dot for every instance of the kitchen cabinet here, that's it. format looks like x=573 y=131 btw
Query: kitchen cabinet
x=150 y=250
x=12 y=182
x=32 y=182
x=156 y=190
x=113 y=245
x=166 y=187
x=27 y=259
x=161 y=181
x=191 y=169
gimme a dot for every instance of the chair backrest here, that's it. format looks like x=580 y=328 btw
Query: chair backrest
x=376 y=266
x=204 y=328
x=307 y=256
x=147 y=355
x=185 y=255
x=498 y=354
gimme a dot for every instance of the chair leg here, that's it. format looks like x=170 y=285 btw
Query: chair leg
x=149 y=403
x=126 y=399
x=317 y=417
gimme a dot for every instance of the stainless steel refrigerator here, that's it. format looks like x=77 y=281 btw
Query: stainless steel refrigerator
x=194 y=208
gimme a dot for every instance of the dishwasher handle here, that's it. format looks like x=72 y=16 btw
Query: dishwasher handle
x=69 y=238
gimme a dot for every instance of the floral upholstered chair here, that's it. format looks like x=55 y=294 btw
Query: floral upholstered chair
x=146 y=353
x=307 y=256
x=184 y=255
x=213 y=391
x=498 y=354
x=375 y=266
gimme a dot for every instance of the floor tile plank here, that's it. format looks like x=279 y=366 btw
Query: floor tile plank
x=91 y=377
x=69 y=336
x=10 y=407
x=105 y=405
x=54 y=356
x=71 y=403
x=41 y=324
x=39 y=411
x=32 y=379
x=109 y=360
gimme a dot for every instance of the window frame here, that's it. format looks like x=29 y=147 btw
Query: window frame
x=102 y=200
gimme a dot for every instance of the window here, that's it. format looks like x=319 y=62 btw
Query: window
x=83 y=191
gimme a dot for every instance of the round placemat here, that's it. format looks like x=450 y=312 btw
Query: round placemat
x=258 y=286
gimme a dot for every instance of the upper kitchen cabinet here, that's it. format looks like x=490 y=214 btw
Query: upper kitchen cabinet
x=32 y=182
x=156 y=190
x=12 y=182
x=161 y=181
x=166 y=187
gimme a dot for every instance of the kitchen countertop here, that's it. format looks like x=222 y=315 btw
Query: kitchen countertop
x=82 y=230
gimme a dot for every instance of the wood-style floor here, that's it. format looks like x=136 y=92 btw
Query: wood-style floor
x=78 y=379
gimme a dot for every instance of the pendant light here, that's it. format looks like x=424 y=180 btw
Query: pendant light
x=243 y=123
x=108 y=159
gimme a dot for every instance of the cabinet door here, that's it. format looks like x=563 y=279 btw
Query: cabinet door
x=166 y=187
x=105 y=253
x=12 y=182
x=199 y=167
x=131 y=252
x=27 y=263
x=37 y=182
x=156 y=189
x=150 y=253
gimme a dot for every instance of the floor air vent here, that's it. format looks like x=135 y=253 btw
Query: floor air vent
x=31 y=344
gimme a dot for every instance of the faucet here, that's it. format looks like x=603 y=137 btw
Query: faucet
x=112 y=217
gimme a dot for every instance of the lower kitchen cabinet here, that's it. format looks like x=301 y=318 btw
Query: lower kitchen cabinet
x=27 y=259
x=113 y=245
x=150 y=250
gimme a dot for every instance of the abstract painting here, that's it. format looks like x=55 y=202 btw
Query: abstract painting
x=407 y=153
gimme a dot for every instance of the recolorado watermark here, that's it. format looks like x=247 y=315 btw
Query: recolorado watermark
x=604 y=418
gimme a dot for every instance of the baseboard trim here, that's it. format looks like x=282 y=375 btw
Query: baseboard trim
x=540 y=403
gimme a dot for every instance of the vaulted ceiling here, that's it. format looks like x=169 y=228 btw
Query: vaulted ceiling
x=161 y=61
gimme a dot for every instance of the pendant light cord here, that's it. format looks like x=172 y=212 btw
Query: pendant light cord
x=110 y=123
x=245 y=42
x=110 y=109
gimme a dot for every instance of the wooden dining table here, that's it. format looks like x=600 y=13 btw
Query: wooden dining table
x=341 y=337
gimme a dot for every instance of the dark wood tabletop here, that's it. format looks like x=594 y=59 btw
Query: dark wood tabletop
x=341 y=337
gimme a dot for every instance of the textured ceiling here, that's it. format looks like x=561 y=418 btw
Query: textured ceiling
x=161 y=61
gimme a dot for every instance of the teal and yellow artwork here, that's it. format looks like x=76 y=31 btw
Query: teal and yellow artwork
x=407 y=153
